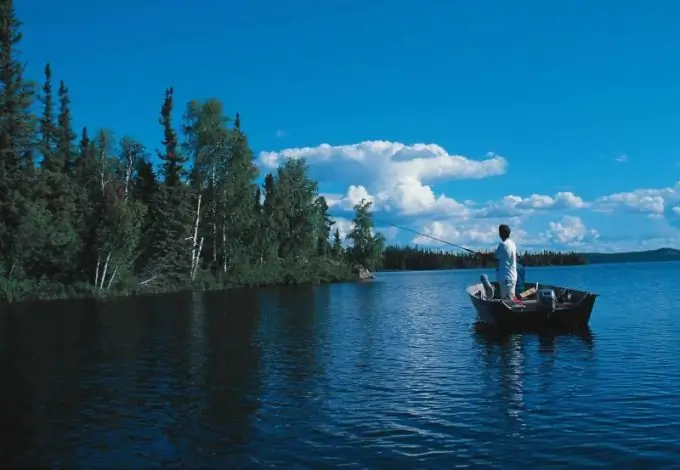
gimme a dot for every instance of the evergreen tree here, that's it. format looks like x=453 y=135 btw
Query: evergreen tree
x=323 y=247
x=367 y=247
x=170 y=250
x=240 y=221
x=17 y=138
x=65 y=134
x=47 y=127
x=270 y=223
x=57 y=197
x=337 y=248
x=173 y=161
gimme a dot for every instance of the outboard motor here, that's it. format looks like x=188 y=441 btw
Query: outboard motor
x=564 y=296
x=546 y=300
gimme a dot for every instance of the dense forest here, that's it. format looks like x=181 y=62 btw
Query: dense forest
x=85 y=214
x=397 y=258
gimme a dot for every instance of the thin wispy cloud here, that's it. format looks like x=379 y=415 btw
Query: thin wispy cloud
x=280 y=133
x=623 y=158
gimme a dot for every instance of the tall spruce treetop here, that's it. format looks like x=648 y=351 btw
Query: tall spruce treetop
x=367 y=247
x=173 y=162
x=83 y=146
x=325 y=227
x=65 y=134
x=16 y=95
x=16 y=139
x=46 y=122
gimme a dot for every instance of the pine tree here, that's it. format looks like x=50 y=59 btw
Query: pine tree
x=47 y=127
x=240 y=223
x=337 y=249
x=367 y=247
x=169 y=253
x=270 y=223
x=173 y=161
x=17 y=126
x=323 y=247
x=65 y=134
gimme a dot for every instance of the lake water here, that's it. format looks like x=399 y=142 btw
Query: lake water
x=384 y=374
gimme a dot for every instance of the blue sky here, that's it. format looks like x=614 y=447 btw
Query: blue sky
x=560 y=118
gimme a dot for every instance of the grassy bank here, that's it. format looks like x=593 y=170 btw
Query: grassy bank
x=27 y=290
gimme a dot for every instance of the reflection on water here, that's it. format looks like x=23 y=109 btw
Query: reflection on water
x=505 y=358
x=546 y=341
x=143 y=377
x=373 y=375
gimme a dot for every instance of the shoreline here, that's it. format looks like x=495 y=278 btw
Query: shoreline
x=79 y=293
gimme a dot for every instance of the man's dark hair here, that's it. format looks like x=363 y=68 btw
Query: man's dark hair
x=503 y=231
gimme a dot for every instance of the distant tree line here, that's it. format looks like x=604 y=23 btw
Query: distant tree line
x=409 y=258
x=92 y=215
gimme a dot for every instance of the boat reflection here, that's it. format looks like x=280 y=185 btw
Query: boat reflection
x=487 y=336
x=510 y=367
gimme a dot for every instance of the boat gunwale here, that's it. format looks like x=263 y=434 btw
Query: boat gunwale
x=571 y=306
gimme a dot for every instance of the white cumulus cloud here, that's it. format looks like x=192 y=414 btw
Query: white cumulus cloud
x=570 y=231
x=393 y=175
x=512 y=205
x=399 y=180
x=649 y=200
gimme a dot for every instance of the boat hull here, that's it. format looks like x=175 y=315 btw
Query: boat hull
x=506 y=315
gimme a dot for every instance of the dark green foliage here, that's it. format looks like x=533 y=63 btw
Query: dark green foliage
x=323 y=247
x=173 y=161
x=337 y=249
x=47 y=128
x=17 y=142
x=367 y=247
x=65 y=135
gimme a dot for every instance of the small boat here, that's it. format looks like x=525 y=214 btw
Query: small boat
x=540 y=307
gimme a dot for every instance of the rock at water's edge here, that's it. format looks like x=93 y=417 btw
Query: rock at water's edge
x=362 y=273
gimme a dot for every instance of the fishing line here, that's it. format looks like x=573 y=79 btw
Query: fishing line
x=383 y=222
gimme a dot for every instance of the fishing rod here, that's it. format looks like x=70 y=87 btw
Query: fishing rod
x=383 y=222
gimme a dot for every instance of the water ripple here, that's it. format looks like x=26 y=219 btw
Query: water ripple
x=389 y=373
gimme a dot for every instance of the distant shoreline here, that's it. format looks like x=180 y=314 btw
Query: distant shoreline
x=536 y=260
x=534 y=266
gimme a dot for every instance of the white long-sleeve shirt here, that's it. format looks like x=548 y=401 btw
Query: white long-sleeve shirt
x=506 y=254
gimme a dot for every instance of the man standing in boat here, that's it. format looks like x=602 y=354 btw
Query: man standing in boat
x=506 y=272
